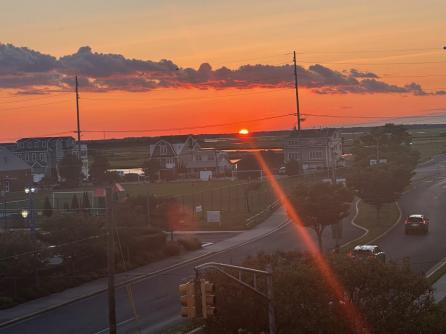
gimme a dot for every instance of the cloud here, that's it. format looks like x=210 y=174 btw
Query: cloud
x=14 y=60
x=358 y=74
x=31 y=71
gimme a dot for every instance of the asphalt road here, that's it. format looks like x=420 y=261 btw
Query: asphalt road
x=157 y=300
x=426 y=196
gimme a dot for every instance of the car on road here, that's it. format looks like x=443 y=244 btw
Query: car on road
x=368 y=251
x=416 y=223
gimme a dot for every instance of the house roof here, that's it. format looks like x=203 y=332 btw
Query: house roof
x=45 y=138
x=313 y=133
x=9 y=162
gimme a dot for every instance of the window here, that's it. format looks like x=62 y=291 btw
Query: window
x=36 y=144
x=41 y=155
x=163 y=149
x=44 y=144
x=198 y=157
x=27 y=156
x=34 y=156
x=295 y=156
x=315 y=155
x=6 y=187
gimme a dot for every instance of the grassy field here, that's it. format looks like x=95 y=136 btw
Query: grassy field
x=367 y=218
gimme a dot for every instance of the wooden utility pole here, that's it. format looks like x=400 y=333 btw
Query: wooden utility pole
x=296 y=85
x=110 y=263
x=78 y=118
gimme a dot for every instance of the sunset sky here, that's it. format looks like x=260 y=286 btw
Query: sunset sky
x=170 y=67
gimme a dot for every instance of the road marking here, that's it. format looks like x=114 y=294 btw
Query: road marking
x=106 y=330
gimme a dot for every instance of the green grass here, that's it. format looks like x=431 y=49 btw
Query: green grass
x=178 y=188
x=429 y=147
x=367 y=218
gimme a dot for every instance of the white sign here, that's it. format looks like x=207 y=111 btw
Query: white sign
x=213 y=217
x=205 y=175
x=198 y=209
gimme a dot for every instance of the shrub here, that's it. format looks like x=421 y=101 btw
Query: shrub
x=190 y=243
x=6 y=302
x=172 y=248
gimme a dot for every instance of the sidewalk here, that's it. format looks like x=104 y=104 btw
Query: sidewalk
x=440 y=289
x=32 y=308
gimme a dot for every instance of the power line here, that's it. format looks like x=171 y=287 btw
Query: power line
x=194 y=127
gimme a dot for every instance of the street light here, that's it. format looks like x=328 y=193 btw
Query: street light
x=30 y=191
x=25 y=213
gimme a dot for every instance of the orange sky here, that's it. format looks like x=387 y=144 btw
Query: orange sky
x=400 y=41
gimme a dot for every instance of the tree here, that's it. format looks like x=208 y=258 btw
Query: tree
x=322 y=204
x=151 y=169
x=378 y=185
x=248 y=167
x=70 y=169
x=47 y=208
x=390 y=142
x=390 y=298
x=292 y=168
x=99 y=168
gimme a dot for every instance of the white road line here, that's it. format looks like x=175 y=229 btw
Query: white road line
x=106 y=330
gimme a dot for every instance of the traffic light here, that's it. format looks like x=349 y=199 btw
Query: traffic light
x=207 y=298
x=187 y=298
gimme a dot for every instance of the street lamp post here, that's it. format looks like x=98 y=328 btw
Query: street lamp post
x=30 y=191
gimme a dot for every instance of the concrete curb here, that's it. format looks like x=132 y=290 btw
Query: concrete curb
x=435 y=268
x=140 y=278
x=366 y=231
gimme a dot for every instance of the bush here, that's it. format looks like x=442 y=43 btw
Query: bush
x=190 y=243
x=6 y=302
x=172 y=248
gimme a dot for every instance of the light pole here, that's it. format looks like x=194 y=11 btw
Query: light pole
x=30 y=191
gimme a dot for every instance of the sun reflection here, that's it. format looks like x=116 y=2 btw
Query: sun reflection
x=357 y=323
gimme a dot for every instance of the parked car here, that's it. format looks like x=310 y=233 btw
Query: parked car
x=368 y=251
x=416 y=223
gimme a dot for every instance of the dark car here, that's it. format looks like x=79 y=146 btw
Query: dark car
x=416 y=223
x=368 y=251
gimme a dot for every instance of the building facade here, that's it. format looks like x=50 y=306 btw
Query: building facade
x=43 y=154
x=184 y=154
x=15 y=174
x=314 y=148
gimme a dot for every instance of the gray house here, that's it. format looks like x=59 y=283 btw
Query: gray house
x=44 y=153
x=15 y=174
x=185 y=154
x=314 y=148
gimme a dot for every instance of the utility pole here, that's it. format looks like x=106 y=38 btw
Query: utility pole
x=110 y=264
x=78 y=119
x=296 y=85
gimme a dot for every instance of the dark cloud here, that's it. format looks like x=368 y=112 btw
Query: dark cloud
x=358 y=74
x=29 y=71
x=14 y=60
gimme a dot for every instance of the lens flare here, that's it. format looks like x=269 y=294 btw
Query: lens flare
x=356 y=321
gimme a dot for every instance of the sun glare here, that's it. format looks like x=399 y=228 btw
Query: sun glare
x=244 y=131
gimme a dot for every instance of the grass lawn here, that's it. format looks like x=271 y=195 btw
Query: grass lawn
x=367 y=218
x=177 y=188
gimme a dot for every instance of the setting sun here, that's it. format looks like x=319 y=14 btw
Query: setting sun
x=243 y=131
